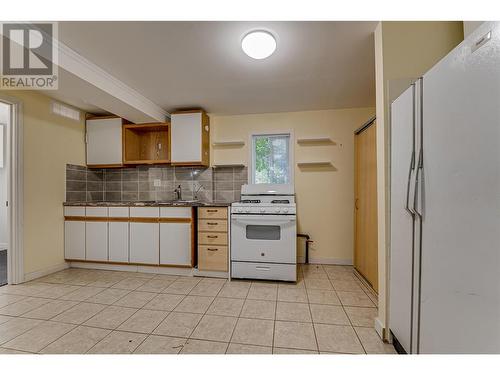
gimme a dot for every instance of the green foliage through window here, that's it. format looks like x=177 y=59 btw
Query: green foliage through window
x=271 y=157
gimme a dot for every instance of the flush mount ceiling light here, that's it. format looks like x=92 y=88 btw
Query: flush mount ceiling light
x=258 y=44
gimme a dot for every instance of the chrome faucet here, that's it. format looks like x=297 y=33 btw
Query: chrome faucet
x=178 y=193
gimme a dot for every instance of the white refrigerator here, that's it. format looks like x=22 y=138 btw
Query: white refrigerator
x=444 y=274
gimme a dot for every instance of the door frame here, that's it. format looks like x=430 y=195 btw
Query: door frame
x=15 y=190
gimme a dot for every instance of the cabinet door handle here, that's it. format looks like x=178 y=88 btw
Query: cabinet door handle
x=263 y=268
x=213 y=236
x=212 y=223
x=212 y=210
x=212 y=249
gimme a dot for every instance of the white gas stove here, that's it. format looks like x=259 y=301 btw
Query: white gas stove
x=263 y=233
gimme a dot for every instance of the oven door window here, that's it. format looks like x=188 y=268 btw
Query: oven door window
x=263 y=232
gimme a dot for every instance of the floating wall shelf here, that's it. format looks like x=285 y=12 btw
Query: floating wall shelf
x=228 y=165
x=316 y=141
x=229 y=143
x=322 y=164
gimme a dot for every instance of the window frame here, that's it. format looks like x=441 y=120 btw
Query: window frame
x=291 y=152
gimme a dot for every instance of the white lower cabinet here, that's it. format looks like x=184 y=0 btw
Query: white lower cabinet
x=175 y=244
x=144 y=243
x=74 y=240
x=118 y=242
x=133 y=235
x=96 y=240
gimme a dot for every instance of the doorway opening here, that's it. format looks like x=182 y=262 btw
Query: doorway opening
x=5 y=111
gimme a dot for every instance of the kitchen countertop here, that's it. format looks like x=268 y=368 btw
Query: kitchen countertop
x=149 y=204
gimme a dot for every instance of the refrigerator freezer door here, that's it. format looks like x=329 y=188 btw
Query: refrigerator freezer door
x=401 y=256
x=460 y=201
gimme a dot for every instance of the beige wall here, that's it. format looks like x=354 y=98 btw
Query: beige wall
x=403 y=50
x=324 y=197
x=50 y=142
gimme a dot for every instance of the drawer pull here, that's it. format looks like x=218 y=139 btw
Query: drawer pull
x=212 y=210
x=212 y=249
x=263 y=268
x=212 y=223
x=213 y=236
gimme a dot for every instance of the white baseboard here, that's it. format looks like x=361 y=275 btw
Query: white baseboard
x=379 y=328
x=134 y=268
x=341 y=262
x=46 y=271
x=220 y=275
x=180 y=271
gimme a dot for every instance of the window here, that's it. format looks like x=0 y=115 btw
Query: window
x=271 y=159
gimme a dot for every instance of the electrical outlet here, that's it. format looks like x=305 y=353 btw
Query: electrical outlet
x=157 y=182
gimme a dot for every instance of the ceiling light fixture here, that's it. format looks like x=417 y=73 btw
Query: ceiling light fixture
x=258 y=44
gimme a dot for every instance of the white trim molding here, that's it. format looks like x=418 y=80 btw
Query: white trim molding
x=119 y=97
x=46 y=271
x=81 y=67
x=15 y=191
x=379 y=328
x=337 y=261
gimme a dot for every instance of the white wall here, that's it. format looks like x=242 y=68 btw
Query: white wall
x=4 y=120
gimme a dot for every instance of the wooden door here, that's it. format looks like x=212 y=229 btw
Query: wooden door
x=365 y=210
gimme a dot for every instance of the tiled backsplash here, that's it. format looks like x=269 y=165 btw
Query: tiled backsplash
x=138 y=184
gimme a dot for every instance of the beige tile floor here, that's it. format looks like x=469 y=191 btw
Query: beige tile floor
x=92 y=311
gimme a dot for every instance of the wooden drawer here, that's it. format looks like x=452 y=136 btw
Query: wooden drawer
x=211 y=225
x=212 y=213
x=212 y=258
x=207 y=238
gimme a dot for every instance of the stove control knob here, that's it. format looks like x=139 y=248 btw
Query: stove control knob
x=247 y=210
x=278 y=210
x=262 y=210
x=285 y=210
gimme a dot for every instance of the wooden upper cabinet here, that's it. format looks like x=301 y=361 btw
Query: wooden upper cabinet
x=146 y=144
x=190 y=137
x=104 y=141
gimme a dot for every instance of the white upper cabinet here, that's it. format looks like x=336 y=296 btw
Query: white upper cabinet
x=104 y=141
x=190 y=137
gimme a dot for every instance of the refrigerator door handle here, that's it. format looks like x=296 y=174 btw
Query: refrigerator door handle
x=410 y=171
x=415 y=192
x=420 y=162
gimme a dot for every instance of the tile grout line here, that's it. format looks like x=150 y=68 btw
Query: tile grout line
x=203 y=315
x=50 y=319
x=312 y=320
x=158 y=293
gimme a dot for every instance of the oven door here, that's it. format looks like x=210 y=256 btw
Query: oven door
x=264 y=238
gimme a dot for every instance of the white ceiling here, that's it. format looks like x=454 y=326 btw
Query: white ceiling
x=317 y=65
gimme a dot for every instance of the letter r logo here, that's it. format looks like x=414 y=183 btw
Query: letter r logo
x=27 y=49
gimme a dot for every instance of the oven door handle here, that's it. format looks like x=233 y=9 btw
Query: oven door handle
x=263 y=220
